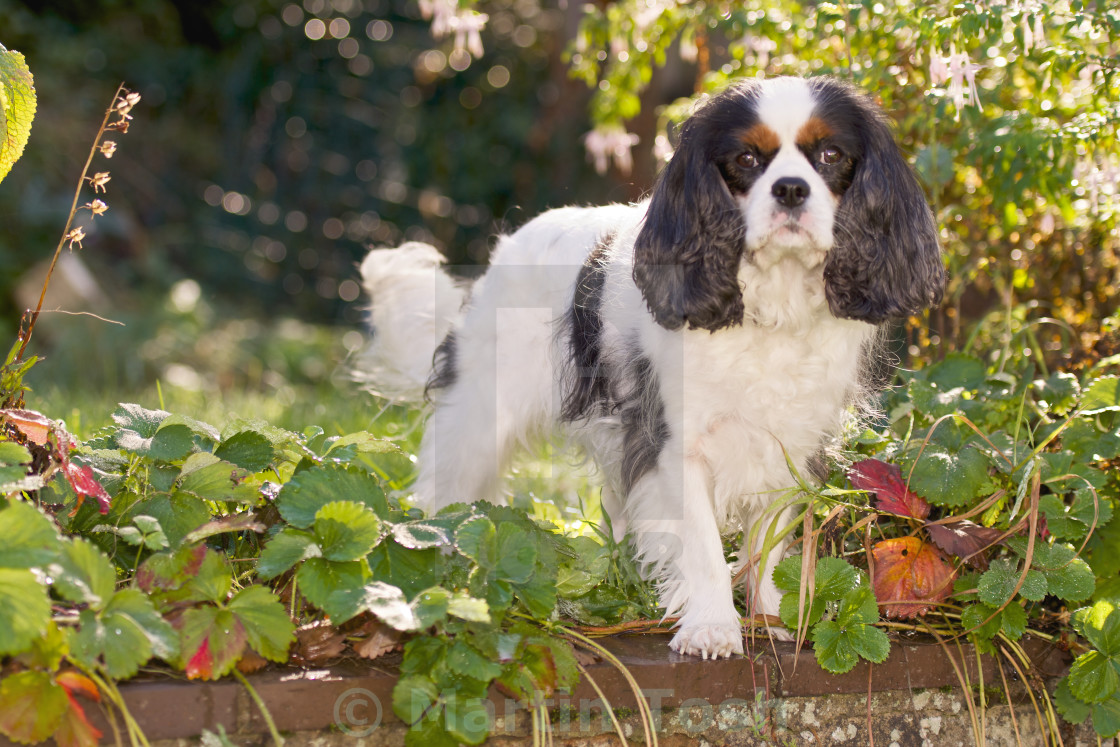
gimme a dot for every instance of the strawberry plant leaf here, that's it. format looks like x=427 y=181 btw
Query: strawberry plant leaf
x=464 y=659
x=178 y=514
x=1100 y=625
x=1106 y=717
x=466 y=607
x=268 y=628
x=170 y=570
x=420 y=535
x=28 y=539
x=25 y=610
x=413 y=696
x=171 y=443
x=891 y=494
x=1101 y=395
x=32 y=706
x=431 y=605
x=248 y=449
x=411 y=571
x=288 y=547
x=388 y=603
x=517 y=554
x=346 y=530
x=466 y=719
x=1094 y=676
x=212 y=581
x=308 y=491
x=998 y=583
x=834 y=577
x=964 y=539
x=124 y=636
x=211 y=642
x=218 y=481
x=476 y=538
x=909 y=576
x=833 y=648
x=137 y=427
x=1072 y=709
x=338 y=589
x=84 y=574
x=947 y=478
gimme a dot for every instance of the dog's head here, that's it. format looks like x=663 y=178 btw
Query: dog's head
x=787 y=167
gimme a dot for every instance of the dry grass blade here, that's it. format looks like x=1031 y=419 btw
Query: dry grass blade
x=1010 y=705
x=606 y=706
x=649 y=727
x=962 y=678
x=1049 y=724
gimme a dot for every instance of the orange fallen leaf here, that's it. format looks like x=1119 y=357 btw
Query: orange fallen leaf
x=909 y=576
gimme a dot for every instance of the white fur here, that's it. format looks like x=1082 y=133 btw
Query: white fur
x=739 y=402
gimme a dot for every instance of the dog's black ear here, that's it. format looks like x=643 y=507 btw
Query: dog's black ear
x=886 y=261
x=687 y=252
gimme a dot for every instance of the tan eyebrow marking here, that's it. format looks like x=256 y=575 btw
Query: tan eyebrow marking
x=761 y=138
x=813 y=131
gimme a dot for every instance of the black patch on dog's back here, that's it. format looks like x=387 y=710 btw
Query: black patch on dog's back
x=586 y=382
x=444 y=369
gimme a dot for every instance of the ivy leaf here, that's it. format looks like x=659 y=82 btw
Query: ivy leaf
x=288 y=547
x=308 y=491
x=346 y=530
x=891 y=494
x=28 y=539
x=17 y=108
x=25 y=610
x=211 y=642
x=32 y=706
x=909 y=576
x=268 y=628
x=948 y=478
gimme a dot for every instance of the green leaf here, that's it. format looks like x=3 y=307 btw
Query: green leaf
x=17 y=108
x=957 y=370
x=834 y=578
x=1073 y=582
x=411 y=571
x=28 y=539
x=949 y=479
x=288 y=547
x=171 y=443
x=338 y=589
x=308 y=491
x=466 y=719
x=137 y=427
x=115 y=642
x=420 y=535
x=466 y=607
x=213 y=579
x=1094 y=677
x=1106 y=717
x=999 y=581
x=178 y=514
x=517 y=554
x=833 y=648
x=218 y=481
x=870 y=643
x=477 y=539
x=1102 y=395
x=389 y=604
x=83 y=574
x=1100 y=624
x=248 y=450
x=1072 y=710
x=464 y=659
x=32 y=706
x=25 y=610
x=346 y=530
x=413 y=695
x=268 y=628
x=430 y=606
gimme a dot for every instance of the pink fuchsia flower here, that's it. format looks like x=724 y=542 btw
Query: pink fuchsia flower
x=608 y=142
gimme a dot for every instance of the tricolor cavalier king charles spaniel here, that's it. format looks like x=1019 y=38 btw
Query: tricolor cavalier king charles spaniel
x=695 y=345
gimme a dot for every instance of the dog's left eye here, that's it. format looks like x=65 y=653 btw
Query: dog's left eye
x=747 y=160
x=829 y=156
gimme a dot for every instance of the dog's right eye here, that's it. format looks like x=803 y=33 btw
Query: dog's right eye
x=747 y=160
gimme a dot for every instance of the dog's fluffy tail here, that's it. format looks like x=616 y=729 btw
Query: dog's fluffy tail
x=414 y=304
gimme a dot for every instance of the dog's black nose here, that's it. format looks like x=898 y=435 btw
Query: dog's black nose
x=790 y=191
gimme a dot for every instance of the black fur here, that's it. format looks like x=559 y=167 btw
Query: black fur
x=445 y=371
x=885 y=261
x=644 y=428
x=687 y=253
x=587 y=382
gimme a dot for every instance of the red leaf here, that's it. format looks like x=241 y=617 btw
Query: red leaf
x=201 y=664
x=84 y=483
x=168 y=572
x=891 y=494
x=909 y=576
x=965 y=539
x=35 y=426
x=75 y=729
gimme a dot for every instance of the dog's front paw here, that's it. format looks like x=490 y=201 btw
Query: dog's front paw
x=708 y=641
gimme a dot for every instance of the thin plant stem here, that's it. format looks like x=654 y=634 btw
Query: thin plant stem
x=276 y=738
